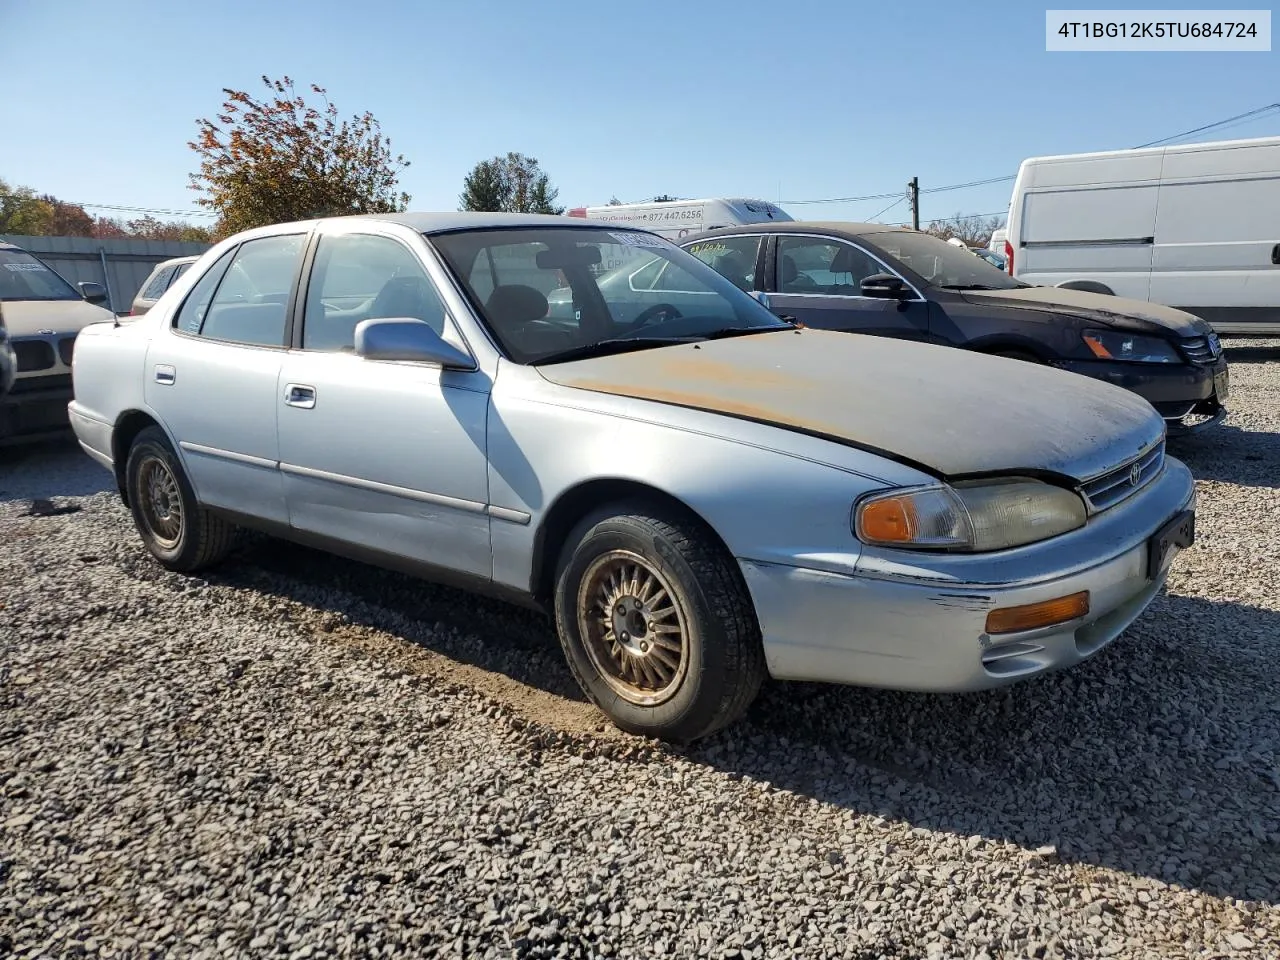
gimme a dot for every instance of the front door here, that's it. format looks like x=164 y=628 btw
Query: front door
x=817 y=280
x=382 y=454
x=212 y=375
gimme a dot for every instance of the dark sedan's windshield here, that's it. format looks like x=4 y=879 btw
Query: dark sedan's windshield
x=23 y=277
x=548 y=293
x=940 y=263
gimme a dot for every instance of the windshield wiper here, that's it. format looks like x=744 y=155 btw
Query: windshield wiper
x=968 y=286
x=723 y=332
x=603 y=348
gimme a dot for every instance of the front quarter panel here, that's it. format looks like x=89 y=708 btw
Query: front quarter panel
x=767 y=505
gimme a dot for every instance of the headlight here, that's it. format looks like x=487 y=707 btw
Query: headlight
x=1113 y=345
x=974 y=517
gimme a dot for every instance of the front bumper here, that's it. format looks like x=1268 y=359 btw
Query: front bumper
x=1189 y=396
x=919 y=623
x=35 y=407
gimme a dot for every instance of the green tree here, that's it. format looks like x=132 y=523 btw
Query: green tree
x=511 y=184
x=22 y=212
x=280 y=158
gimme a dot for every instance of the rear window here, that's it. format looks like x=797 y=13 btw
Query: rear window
x=23 y=277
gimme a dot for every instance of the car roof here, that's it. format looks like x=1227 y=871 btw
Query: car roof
x=845 y=228
x=466 y=220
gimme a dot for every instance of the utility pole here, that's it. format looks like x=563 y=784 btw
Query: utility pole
x=913 y=195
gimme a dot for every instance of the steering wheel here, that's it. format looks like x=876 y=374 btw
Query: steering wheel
x=658 y=313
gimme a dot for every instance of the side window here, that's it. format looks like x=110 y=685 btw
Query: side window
x=159 y=283
x=250 y=303
x=362 y=277
x=814 y=265
x=191 y=316
x=734 y=258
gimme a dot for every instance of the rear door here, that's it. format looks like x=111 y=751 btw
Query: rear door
x=817 y=280
x=212 y=375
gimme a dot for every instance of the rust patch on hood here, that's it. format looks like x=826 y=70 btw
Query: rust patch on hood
x=951 y=411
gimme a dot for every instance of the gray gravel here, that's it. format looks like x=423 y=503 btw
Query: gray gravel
x=305 y=757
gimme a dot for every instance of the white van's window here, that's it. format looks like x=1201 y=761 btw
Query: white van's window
x=1213 y=212
x=1099 y=215
x=23 y=277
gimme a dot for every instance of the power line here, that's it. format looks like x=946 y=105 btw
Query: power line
x=1210 y=126
x=117 y=207
x=886 y=209
x=1229 y=121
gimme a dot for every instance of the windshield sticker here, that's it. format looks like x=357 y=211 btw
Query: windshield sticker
x=25 y=267
x=639 y=240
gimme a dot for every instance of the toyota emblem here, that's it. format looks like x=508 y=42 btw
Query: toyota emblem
x=1135 y=474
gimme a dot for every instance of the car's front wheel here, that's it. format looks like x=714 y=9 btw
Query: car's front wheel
x=178 y=532
x=657 y=624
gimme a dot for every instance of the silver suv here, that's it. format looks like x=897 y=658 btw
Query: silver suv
x=160 y=280
x=43 y=314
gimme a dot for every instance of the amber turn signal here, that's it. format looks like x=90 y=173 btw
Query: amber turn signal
x=891 y=520
x=1032 y=616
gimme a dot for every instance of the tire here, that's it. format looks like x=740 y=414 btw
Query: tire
x=632 y=672
x=178 y=532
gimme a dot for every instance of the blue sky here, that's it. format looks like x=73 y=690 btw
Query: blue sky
x=794 y=100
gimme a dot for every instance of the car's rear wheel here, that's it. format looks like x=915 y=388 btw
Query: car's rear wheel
x=178 y=532
x=657 y=624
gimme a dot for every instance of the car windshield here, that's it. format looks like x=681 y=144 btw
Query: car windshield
x=552 y=293
x=940 y=263
x=23 y=277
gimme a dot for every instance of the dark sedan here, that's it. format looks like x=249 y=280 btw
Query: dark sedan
x=896 y=282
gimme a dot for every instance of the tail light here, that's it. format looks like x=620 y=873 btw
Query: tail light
x=1008 y=257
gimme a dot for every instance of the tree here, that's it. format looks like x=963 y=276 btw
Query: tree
x=279 y=159
x=22 y=212
x=511 y=184
x=149 y=228
x=67 y=219
x=974 y=230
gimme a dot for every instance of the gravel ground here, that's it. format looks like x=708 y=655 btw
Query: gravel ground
x=301 y=756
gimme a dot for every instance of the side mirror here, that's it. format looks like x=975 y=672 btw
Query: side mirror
x=761 y=297
x=402 y=338
x=885 y=286
x=92 y=291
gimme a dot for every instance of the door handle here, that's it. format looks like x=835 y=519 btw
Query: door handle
x=300 y=395
x=165 y=374
x=1275 y=253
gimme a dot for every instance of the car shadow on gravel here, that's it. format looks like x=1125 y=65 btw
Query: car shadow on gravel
x=498 y=637
x=1160 y=757
x=47 y=469
x=1225 y=453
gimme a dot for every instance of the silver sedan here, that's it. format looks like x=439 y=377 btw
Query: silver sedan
x=700 y=494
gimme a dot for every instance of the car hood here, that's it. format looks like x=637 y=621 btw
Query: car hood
x=26 y=318
x=1119 y=313
x=950 y=412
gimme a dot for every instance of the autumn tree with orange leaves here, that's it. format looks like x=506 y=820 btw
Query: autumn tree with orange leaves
x=280 y=159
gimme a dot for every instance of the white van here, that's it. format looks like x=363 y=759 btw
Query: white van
x=1195 y=227
x=676 y=219
x=996 y=244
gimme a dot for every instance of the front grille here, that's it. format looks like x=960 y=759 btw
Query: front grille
x=66 y=348
x=1202 y=349
x=33 y=355
x=1123 y=482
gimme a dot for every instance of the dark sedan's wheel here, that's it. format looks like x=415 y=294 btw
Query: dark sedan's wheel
x=656 y=624
x=177 y=531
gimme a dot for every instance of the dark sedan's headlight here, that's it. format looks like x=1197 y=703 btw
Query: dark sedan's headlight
x=1114 y=345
